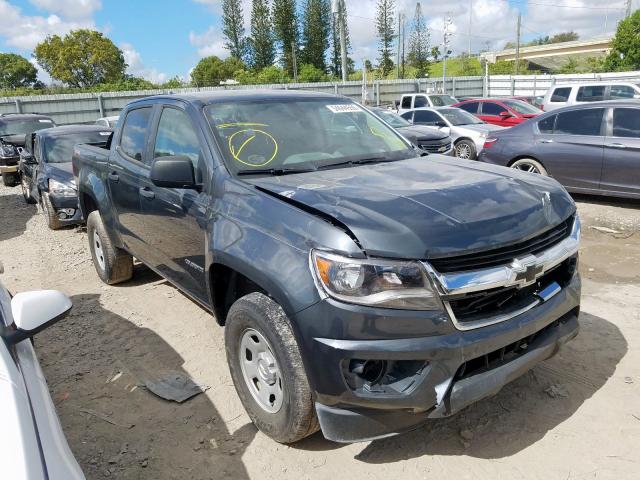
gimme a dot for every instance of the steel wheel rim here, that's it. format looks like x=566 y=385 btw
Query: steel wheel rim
x=527 y=167
x=24 y=188
x=260 y=371
x=463 y=151
x=97 y=248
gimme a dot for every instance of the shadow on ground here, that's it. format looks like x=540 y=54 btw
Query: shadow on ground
x=96 y=362
x=619 y=202
x=15 y=213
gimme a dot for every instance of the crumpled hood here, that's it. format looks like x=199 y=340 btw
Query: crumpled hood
x=61 y=172
x=429 y=207
x=415 y=132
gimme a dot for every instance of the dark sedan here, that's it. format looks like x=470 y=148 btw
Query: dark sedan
x=46 y=172
x=592 y=148
x=429 y=139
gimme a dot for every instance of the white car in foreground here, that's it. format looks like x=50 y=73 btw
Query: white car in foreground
x=32 y=444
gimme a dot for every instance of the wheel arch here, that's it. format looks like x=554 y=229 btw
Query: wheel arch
x=522 y=157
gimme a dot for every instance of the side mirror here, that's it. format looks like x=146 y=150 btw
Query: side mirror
x=173 y=172
x=33 y=312
x=28 y=158
x=505 y=114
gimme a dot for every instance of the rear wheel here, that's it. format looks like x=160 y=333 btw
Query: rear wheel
x=112 y=264
x=267 y=370
x=466 y=150
x=10 y=179
x=26 y=191
x=529 y=165
x=52 y=219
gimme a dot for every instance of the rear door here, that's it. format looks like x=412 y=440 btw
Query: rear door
x=621 y=171
x=126 y=167
x=175 y=218
x=573 y=151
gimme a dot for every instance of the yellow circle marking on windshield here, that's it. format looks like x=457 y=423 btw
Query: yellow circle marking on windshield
x=253 y=133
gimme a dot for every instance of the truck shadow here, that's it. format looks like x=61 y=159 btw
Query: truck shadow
x=15 y=215
x=524 y=411
x=96 y=363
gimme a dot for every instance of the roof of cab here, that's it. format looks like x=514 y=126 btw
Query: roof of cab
x=17 y=117
x=71 y=129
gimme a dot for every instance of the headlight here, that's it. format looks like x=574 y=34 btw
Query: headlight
x=7 y=151
x=378 y=283
x=61 y=189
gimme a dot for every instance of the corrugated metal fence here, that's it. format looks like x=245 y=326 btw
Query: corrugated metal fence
x=87 y=107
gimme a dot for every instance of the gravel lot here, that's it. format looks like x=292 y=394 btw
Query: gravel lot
x=576 y=416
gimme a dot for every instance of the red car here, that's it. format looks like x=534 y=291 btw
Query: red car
x=505 y=112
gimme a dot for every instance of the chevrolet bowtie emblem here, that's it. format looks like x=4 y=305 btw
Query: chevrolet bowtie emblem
x=526 y=270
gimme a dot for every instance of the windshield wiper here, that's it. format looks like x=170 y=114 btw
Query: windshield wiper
x=275 y=171
x=360 y=161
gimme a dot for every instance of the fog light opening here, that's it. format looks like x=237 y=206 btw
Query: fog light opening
x=62 y=215
x=371 y=371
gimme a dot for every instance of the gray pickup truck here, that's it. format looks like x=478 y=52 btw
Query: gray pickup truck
x=364 y=286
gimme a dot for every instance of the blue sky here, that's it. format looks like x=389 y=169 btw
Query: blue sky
x=164 y=39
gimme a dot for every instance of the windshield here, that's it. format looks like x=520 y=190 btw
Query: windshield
x=301 y=134
x=392 y=119
x=59 y=149
x=522 y=107
x=457 y=116
x=442 y=100
x=21 y=127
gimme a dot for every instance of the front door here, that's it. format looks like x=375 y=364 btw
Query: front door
x=621 y=171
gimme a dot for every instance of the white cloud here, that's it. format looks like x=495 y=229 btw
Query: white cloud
x=209 y=43
x=137 y=67
x=72 y=9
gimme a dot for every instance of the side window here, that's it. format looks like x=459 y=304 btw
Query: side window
x=134 y=132
x=407 y=116
x=176 y=136
x=36 y=149
x=420 y=101
x=471 y=107
x=621 y=91
x=426 y=117
x=626 y=122
x=593 y=93
x=490 y=108
x=546 y=125
x=406 y=102
x=580 y=122
x=561 y=94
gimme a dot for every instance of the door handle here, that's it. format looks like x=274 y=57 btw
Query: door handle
x=617 y=145
x=114 y=176
x=546 y=140
x=147 y=193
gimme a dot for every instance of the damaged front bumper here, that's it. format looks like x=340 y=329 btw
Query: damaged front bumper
x=66 y=209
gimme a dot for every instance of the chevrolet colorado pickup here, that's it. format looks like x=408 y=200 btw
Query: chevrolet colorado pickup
x=364 y=288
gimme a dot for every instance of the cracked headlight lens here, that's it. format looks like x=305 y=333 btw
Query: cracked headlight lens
x=61 y=189
x=376 y=283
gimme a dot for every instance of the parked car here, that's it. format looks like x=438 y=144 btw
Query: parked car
x=562 y=95
x=13 y=128
x=32 y=444
x=428 y=139
x=109 y=122
x=502 y=112
x=467 y=131
x=535 y=100
x=591 y=148
x=46 y=173
x=362 y=289
x=424 y=100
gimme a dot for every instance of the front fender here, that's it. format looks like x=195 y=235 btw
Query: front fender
x=92 y=186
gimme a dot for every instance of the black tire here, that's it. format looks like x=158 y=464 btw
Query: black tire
x=530 y=165
x=10 y=179
x=26 y=191
x=296 y=418
x=466 y=150
x=112 y=264
x=50 y=212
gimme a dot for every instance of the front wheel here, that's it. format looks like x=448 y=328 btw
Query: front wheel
x=267 y=370
x=52 y=219
x=112 y=264
x=530 y=165
x=466 y=150
x=26 y=191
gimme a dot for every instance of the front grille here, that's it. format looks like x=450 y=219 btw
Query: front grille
x=508 y=353
x=478 y=306
x=434 y=146
x=504 y=255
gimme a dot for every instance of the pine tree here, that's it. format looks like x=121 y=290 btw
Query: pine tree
x=385 y=23
x=261 y=42
x=336 y=54
x=233 y=28
x=285 y=26
x=316 y=27
x=419 y=43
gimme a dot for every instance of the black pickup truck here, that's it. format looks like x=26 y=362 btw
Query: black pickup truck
x=364 y=287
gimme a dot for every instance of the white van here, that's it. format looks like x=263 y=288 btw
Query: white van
x=561 y=95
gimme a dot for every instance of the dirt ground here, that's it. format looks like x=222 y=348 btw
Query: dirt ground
x=576 y=416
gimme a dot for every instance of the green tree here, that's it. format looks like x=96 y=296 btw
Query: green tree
x=316 y=27
x=174 y=82
x=285 y=26
x=570 y=67
x=564 y=37
x=385 y=24
x=336 y=53
x=82 y=58
x=625 y=47
x=272 y=74
x=263 y=52
x=310 y=73
x=16 y=71
x=233 y=28
x=419 y=44
x=210 y=71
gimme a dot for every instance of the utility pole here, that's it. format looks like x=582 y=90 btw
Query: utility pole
x=338 y=9
x=295 y=62
x=469 y=32
x=628 y=14
x=445 y=45
x=399 y=46
x=518 y=44
x=404 y=40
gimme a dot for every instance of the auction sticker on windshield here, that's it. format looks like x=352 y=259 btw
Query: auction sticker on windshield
x=345 y=107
